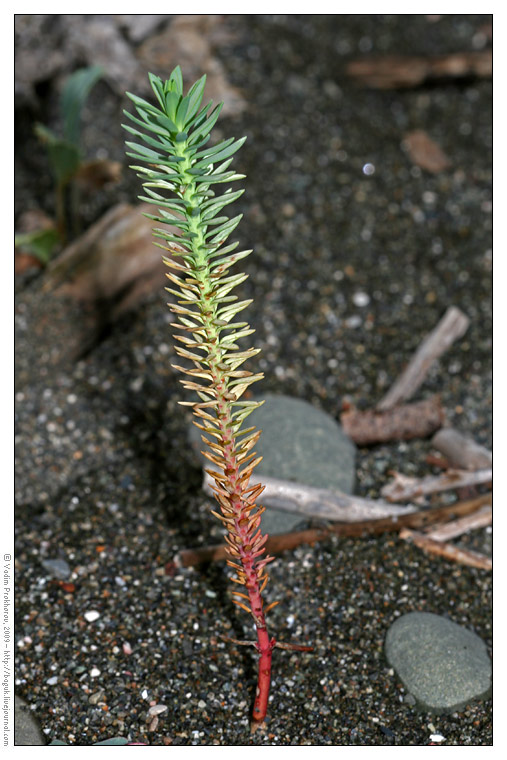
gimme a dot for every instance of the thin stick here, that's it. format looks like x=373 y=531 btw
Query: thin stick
x=461 y=450
x=452 y=326
x=288 y=541
x=404 y=487
x=319 y=503
x=480 y=519
x=447 y=550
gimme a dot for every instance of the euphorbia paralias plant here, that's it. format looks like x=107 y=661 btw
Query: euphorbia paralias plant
x=179 y=178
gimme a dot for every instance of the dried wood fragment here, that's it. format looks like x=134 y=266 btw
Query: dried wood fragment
x=416 y=420
x=452 y=326
x=460 y=450
x=455 y=528
x=447 y=550
x=288 y=541
x=402 y=71
x=425 y=152
x=319 y=503
x=404 y=487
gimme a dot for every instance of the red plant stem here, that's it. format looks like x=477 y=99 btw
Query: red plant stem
x=245 y=536
x=265 y=647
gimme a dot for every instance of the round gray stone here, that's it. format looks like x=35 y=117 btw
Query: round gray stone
x=443 y=665
x=27 y=731
x=298 y=443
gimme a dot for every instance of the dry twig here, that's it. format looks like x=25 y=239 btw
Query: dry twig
x=454 y=528
x=319 y=503
x=447 y=550
x=460 y=450
x=288 y=541
x=404 y=487
x=452 y=326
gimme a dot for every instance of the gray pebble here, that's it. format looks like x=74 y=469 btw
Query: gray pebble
x=58 y=568
x=443 y=665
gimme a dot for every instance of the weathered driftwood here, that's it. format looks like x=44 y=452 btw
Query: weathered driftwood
x=288 y=541
x=452 y=326
x=319 y=503
x=416 y=420
x=460 y=450
x=401 y=71
x=454 y=528
x=404 y=487
x=447 y=550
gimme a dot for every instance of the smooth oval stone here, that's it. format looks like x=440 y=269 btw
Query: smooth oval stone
x=443 y=665
x=298 y=443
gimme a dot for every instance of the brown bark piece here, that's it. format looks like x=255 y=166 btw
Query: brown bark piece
x=460 y=450
x=106 y=272
x=402 y=71
x=425 y=152
x=416 y=420
x=448 y=551
x=189 y=41
x=452 y=326
x=113 y=265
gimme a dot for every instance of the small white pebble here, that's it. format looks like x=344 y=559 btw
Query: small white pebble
x=145 y=694
x=127 y=649
x=437 y=738
x=94 y=672
x=368 y=169
x=91 y=616
x=156 y=710
x=361 y=299
x=201 y=704
x=52 y=681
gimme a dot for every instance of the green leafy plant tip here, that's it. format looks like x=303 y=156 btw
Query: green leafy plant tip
x=180 y=173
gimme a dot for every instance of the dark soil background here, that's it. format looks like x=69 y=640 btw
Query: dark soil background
x=358 y=252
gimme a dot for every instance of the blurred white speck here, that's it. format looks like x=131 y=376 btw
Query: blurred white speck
x=52 y=681
x=290 y=620
x=361 y=299
x=437 y=738
x=353 y=321
x=94 y=672
x=137 y=384
x=91 y=616
x=368 y=169
x=145 y=694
